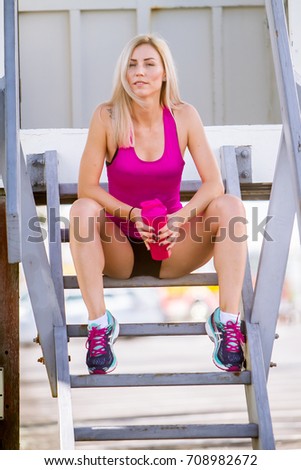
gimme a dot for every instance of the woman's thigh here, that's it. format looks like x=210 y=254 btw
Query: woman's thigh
x=118 y=253
x=88 y=220
x=193 y=249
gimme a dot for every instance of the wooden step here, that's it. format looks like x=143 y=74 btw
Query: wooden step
x=162 y=379
x=255 y=191
x=194 y=279
x=146 y=329
x=192 y=431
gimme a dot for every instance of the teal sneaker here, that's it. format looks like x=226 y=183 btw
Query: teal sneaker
x=228 y=340
x=100 y=355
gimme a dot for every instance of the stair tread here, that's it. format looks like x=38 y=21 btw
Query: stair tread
x=175 y=431
x=193 y=279
x=161 y=379
x=147 y=329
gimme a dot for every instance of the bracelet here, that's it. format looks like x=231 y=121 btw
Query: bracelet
x=130 y=213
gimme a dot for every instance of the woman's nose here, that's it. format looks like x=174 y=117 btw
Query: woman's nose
x=140 y=69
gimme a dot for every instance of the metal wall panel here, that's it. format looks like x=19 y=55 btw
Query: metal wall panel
x=104 y=35
x=250 y=93
x=221 y=48
x=45 y=70
x=189 y=35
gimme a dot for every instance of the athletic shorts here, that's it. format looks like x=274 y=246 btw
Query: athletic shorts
x=144 y=264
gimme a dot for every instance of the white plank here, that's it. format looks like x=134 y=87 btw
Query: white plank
x=147 y=329
x=197 y=279
x=159 y=380
x=64 y=392
x=166 y=432
x=38 y=277
x=256 y=393
x=288 y=97
x=12 y=138
x=54 y=230
x=274 y=255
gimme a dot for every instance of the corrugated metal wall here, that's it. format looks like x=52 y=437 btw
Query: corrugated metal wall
x=69 y=49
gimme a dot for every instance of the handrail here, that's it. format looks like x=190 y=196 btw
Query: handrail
x=11 y=172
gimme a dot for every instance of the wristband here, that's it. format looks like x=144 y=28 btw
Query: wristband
x=130 y=213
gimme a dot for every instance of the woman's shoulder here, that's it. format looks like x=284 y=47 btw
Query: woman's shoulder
x=187 y=117
x=103 y=113
x=185 y=112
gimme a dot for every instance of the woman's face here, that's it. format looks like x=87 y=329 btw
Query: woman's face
x=145 y=71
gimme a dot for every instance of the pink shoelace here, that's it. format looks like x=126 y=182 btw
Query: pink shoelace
x=97 y=341
x=233 y=336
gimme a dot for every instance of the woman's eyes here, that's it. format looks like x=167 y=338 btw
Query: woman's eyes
x=147 y=64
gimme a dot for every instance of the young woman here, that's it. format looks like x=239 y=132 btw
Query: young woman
x=140 y=136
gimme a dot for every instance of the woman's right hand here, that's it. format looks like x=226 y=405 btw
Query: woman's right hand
x=146 y=232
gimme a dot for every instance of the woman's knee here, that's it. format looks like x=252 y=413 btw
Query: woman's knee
x=84 y=208
x=228 y=206
x=85 y=219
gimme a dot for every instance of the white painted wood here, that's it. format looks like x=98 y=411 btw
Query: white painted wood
x=143 y=17
x=158 y=380
x=298 y=83
x=256 y=393
x=294 y=17
x=194 y=279
x=147 y=329
x=192 y=431
x=45 y=69
x=12 y=137
x=38 y=278
x=70 y=143
x=274 y=255
x=31 y=5
x=1 y=39
x=54 y=229
x=64 y=392
x=76 y=66
x=290 y=108
x=218 y=66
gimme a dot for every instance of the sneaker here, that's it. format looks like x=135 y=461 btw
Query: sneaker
x=228 y=339
x=100 y=356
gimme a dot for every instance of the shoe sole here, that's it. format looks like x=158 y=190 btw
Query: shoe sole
x=113 y=366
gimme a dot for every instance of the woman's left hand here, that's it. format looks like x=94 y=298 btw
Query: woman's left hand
x=169 y=234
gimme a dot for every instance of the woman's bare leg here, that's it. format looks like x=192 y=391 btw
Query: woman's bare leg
x=221 y=233
x=230 y=250
x=97 y=247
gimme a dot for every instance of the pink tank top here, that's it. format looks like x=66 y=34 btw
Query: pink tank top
x=133 y=180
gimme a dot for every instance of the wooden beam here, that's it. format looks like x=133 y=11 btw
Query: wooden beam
x=259 y=191
x=9 y=340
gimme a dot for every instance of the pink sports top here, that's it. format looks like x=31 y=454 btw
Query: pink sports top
x=133 y=180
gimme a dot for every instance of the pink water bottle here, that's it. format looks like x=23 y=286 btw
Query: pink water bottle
x=154 y=214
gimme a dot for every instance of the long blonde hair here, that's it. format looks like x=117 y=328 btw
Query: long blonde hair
x=122 y=96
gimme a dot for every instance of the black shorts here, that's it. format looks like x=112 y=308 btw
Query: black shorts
x=144 y=264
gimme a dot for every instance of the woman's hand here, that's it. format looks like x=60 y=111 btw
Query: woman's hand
x=169 y=234
x=146 y=232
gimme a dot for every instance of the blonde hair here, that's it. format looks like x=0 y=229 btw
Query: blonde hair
x=122 y=96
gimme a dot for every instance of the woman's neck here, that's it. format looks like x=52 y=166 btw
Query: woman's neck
x=148 y=115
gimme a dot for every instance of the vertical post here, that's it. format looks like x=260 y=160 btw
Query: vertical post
x=12 y=138
x=9 y=340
